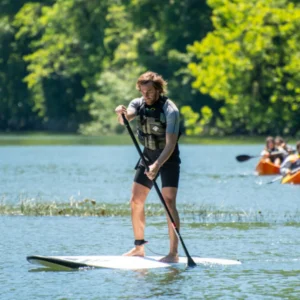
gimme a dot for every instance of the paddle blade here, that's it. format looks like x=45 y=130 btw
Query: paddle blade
x=191 y=263
x=244 y=157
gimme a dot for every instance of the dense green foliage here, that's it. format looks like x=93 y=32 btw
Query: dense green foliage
x=231 y=65
x=250 y=63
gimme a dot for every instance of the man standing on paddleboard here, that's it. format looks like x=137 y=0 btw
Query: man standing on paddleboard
x=158 y=130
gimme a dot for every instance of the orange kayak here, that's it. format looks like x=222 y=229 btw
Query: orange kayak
x=292 y=178
x=267 y=168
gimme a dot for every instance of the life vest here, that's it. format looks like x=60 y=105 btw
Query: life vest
x=272 y=150
x=151 y=124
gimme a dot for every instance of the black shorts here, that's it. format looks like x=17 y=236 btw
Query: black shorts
x=169 y=172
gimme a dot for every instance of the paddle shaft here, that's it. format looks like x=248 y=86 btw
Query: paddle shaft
x=275 y=179
x=191 y=263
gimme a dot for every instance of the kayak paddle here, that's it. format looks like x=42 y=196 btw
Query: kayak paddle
x=245 y=157
x=275 y=179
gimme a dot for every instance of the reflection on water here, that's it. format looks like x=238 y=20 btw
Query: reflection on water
x=166 y=282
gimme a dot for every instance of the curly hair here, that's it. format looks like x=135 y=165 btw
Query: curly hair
x=157 y=80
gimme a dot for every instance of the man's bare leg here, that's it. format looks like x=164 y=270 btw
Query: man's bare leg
x=169 y=194
x=137 y=202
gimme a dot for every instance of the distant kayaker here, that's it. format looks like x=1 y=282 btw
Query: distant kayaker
x=158 y=130
x=271 y=153
x=282 y=146
x=292 y=162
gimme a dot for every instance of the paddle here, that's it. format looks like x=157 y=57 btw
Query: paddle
x=275 y=179
x=190 y=261
x=280 y=177
x=245 y=157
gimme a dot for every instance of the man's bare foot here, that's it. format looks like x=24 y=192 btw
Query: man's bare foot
x=170 y=258
x=137 y=251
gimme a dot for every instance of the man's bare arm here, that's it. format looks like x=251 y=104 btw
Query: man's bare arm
x=171 y=140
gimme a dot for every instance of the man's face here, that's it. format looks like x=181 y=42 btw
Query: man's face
x=149 y=93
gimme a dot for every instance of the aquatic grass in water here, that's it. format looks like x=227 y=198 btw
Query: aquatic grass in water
x=196 y=215
x=86 y=207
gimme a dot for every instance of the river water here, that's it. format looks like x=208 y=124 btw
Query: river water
x=226 y=212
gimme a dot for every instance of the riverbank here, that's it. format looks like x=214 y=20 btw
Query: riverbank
x=31 y=139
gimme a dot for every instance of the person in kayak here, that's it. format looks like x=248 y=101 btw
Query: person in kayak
x=271 y=153
x=283 y=147
x=292 y=162
x=158 y=130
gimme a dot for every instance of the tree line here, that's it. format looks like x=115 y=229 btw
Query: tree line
x=232 y=66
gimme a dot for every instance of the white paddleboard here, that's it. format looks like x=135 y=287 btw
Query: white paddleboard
x=118 y=262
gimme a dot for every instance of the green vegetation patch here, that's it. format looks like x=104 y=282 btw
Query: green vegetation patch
x=121 y=139
x=86 y=207
x=195 y=215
